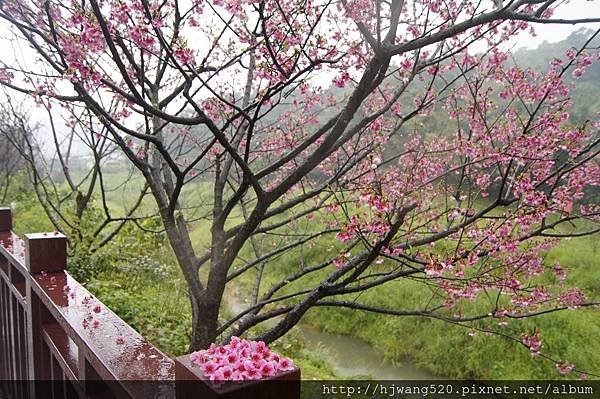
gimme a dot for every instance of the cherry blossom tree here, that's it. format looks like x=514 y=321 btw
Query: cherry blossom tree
x=235 y=96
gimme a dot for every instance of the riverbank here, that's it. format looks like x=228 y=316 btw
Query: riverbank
x=457 y=352
x=143 y=285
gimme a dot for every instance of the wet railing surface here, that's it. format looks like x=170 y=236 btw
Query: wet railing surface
x=58 y=341
x=56 y=335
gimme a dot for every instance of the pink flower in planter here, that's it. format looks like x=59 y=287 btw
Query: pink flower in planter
x=239 y=367
x=237 y=376
x=199 y=357
x=227 y=372
x=245 y=352
x=259 y=364
x=217 y=375
x=211 y=350
x=273 y=357
x=285 y=364
x=240 y=360
x=209 y=368
x=251 y=373
x=259 y=347
x=249 y=365
x=268 y=369
x=232 y=357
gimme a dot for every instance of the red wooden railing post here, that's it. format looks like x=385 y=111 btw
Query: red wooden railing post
x=5 y=223
x=5 y=219
x=44 y=253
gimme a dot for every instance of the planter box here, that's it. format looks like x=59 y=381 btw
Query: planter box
x=191 y=383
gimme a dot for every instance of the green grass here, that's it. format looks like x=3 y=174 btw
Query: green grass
x=156 y=309
x=447 y=349
x=146 y=289
x=581 y=258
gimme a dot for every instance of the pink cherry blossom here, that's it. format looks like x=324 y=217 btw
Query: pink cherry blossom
x=240 y=360
x=565 y=367
x=533 y=342
x=209 y=368
x=268 y=369
x=285 y=364
x=573 y=298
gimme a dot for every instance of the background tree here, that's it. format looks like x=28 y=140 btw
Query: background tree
x=225 y=96
x=68 y=185
x=11 y=162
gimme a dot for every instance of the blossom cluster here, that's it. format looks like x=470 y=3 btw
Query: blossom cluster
x=239 y=360
x=533 y=342
x=565 y=367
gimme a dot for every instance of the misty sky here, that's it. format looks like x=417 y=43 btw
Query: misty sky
x=555 y=33
x=545 y=32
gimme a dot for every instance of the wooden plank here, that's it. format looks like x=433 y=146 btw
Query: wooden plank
x=62 y=348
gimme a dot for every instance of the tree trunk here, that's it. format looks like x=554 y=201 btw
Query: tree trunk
x=205 y=314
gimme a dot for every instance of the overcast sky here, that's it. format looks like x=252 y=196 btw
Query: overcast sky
x=554 y=33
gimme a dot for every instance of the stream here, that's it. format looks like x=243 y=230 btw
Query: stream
x=349 y=356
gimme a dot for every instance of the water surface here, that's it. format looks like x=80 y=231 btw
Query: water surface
x=351 y=357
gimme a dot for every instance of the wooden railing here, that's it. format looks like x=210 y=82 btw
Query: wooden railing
x=58 y=341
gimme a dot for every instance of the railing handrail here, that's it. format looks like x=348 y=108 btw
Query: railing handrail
x=86 y=338
x=52 y=328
